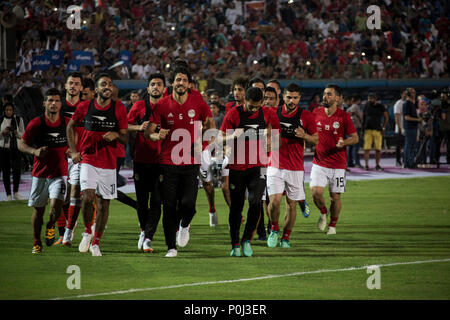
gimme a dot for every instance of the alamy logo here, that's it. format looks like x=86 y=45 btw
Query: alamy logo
x=74 y=20
x=374 y=20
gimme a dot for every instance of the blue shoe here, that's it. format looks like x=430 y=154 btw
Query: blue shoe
x=307 y=211
x=236 y=252
x=285 y=243
x=272 y=241
x=247 y=248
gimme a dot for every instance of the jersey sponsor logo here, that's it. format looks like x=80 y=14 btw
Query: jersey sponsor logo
x=71 y=113
x=287 y=125
x=53 y=134
x=253 y=126
x=170 y=115
x=100 y=118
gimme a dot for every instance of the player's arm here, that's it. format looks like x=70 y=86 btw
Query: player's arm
x=386 y=120
x=71 y=141
x=310 y=138
x=25 y=148
x=209 y=124
x=150 y=132
x=398 y=121
x=351 y=139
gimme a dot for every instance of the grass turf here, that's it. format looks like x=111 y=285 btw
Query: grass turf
x=382 y=221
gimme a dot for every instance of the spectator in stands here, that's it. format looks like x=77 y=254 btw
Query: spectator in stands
x=315 y=102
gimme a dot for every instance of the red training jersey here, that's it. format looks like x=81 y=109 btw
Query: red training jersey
x=184 y=124
x=95 y=150
x=145 y=150
x=330 y=129
x=237 y=117
x=53 y=135
x=291 y=152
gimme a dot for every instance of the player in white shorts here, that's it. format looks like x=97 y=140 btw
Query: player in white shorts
x=286 y=167
x=336 y=131
x=45 y=139
x=105 y=124
x=206 y=177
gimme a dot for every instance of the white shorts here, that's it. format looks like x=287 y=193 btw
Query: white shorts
x=335 y=178
x=103 y=181
x=74 y=172
x=280 y=180
x=205 y=172
x=43 y=189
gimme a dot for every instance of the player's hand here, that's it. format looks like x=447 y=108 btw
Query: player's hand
x=110 y=136
x=76 y=157
x=144 y=126
x=163 y=133
x=340 y=143
x=41 y=152
x=300 y=133
x=6 y=131
x=238 y=132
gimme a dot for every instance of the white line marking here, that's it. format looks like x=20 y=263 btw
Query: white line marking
x=246 y=279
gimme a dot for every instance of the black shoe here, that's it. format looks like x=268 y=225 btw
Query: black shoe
x=399 y=163
x=378 y=168
x=351 y=165
x=366 y=168
x=358 y=166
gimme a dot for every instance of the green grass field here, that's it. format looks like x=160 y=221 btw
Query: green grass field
x=382 y=222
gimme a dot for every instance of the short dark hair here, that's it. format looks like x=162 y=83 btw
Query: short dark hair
x=51 y=92
x=253 y=94
x=88 y=83
x=101 y=75
x=255 y=80
x=270 y=89
x=8 y=97
x=157 y=76
x=275 y=81
x=74 y=74
x=292 y=87
x=337 y=89
x=182 y=70
x=239 y=81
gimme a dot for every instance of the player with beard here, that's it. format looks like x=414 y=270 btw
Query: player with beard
x=105 y=125
x=286 y=171
x=73 y=87
x=45 y=139
x=244 y=127
x=178 y=116
x=145 y=162
x=336 y=131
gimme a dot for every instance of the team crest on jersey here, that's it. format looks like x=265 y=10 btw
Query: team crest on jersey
x=336 y=125
x=191 y=113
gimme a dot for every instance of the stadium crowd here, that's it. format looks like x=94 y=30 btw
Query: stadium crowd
x=318 y=39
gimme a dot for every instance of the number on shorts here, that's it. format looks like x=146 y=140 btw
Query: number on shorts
x=340 y=182
x=113 y=188
x=63 y=189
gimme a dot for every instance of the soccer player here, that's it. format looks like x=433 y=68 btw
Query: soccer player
x=181 y=116
x=274 y=83
x=270 y=98
x=286 y=170
x=45 y=139
x=73 y=87
x=145 y=162
x=88 y=92
x=238 y=87
x=105 y=125
x=247 y=124
x=336 y=131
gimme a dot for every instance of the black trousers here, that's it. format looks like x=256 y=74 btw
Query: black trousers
x=253 y=179
x=147 y=185
x=10 y=159
x=399 y=143
x=179 y=194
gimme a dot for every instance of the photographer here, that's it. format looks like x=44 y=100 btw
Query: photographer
x=11 y=129
x=425 y=131
x=444 y=123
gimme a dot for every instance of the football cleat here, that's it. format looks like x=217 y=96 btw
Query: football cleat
x=322 y=221
x=49 y=235
x=285 y=243
x=183 y=236
x=247 y=248
x=141 y=240
x=236 y=252
x=147 y=246
x=95 y=250
x=331 y=230
x=272 y=241
x=171 y=253
x=59 y=241
x=307 y=211
x=85 y=242
x=36 y=249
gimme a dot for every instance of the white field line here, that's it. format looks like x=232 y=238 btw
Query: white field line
x=195 y=284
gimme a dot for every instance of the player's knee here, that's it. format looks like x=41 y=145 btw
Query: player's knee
x=316 y=193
